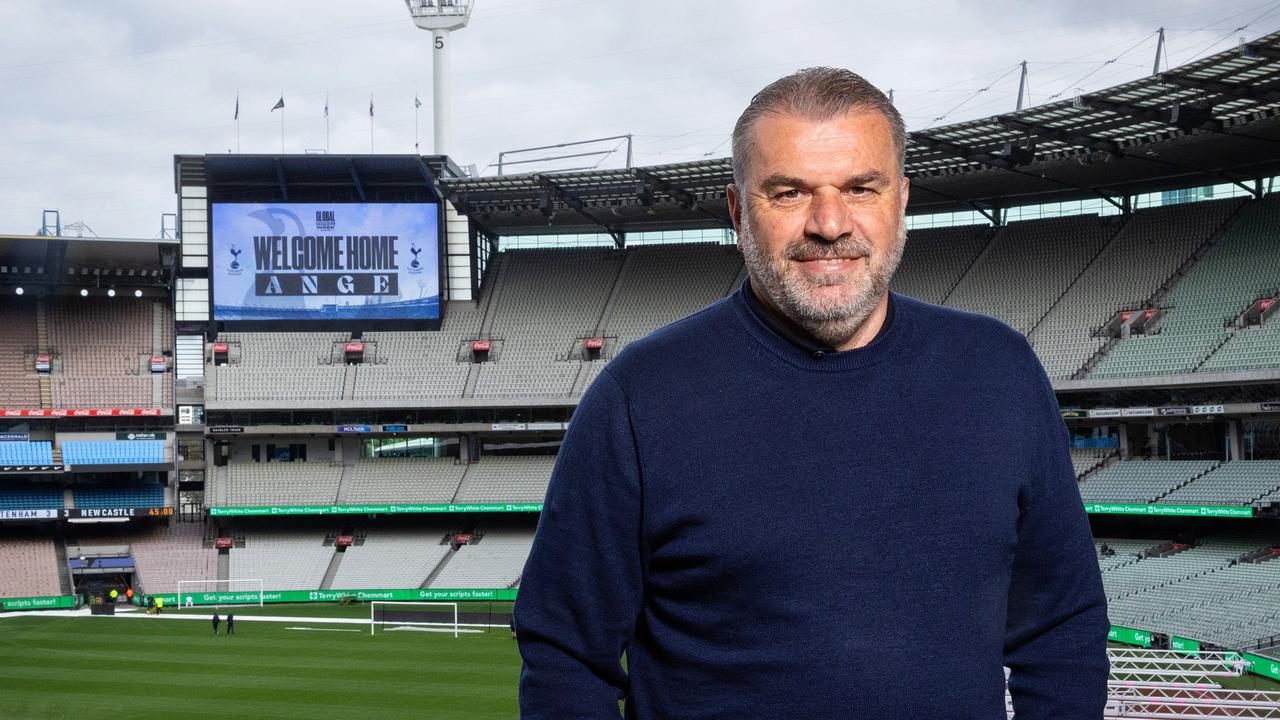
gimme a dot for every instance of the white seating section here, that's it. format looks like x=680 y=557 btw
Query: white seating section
x=28 y=567
x=420 y=365
x=1242 y=267
x=546 y=299
x=1028 y=265
x=280 y=366
x=283 y=559
x=936 y=258
x=662 y=284
x=392 y=559
x=282 y=483
x=496 y=561
x=402 y=480
x=1233 y=483
x=1140 y=481
x=1085 y=459
x=1197 y=593
x=1149 y=249
x=507 y=479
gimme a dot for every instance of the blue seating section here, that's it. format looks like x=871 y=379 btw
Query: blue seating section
x=119 y=496
x=31 y=497
x=109 y=452
x=26 y=453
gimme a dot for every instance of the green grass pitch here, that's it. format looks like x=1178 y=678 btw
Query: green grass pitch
x=58 y=667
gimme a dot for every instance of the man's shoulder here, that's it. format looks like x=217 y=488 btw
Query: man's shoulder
x=948 y=330
x=676 y=345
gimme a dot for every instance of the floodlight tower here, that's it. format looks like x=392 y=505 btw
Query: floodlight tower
x=440 y=17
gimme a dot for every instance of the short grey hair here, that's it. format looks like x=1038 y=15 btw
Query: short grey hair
x=819 y=93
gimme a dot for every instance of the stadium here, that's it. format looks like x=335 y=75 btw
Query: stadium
x=330 y=400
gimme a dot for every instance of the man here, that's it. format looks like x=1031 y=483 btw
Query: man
x=231 y=624
x=216 y=620
x=816 y=498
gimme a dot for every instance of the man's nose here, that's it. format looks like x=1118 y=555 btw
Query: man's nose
x=830 y=217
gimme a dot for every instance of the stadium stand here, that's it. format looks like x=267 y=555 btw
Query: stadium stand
x=402 y=480
x=163 y=555
x=26 y=453
x=1234 y=483
x=282 y=483
x=494 y=561
x=661 y=284
x=1084 y=460
x=936 y=258
x=546 y=301
x=31 y=497
x=1141 y=481
x=28 y=567
x=1144 y=254
x=17 y=346
x=1241 y=267
x=1202 y=592
x=282 y=559
x=119 y=496
x=111 y=452
x=392 y=558
x=1044 y=255
x=111 y=371
x=267 y=366
x=506 y=479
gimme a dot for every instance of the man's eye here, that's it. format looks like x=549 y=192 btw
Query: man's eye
x=792 y=194
x=860 y=190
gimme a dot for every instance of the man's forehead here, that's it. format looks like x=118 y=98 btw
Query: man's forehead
x=852 y=144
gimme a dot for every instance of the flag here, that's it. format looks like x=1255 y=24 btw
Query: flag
x=416 y=102
x=326 y=106
x=279 y=104
x=237 y=115
x=370 y=106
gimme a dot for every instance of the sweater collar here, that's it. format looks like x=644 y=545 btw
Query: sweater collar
x=801 y=349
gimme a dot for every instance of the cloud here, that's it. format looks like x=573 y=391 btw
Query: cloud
x=100 y=96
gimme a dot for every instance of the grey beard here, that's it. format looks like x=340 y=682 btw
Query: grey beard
x=833 y=325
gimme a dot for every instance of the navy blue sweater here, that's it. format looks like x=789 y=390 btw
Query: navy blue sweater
x=771 y=532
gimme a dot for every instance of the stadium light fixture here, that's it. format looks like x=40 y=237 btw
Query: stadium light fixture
x=18 y=290
x=84 y=292
x=137 y=293
x=440 y=17
x=111 y=292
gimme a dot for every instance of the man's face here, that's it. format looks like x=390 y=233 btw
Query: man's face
x=820 y=217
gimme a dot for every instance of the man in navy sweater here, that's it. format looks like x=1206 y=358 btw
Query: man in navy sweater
x=816 y=498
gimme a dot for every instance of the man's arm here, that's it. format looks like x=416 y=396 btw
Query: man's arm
x=1056 y=629
x=581 y=588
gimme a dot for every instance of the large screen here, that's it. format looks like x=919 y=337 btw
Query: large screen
x=325 y=261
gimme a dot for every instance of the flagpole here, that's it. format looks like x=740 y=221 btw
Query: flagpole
x=415 y=124
x=371 y=124
x=281 y=131
x=326 y=124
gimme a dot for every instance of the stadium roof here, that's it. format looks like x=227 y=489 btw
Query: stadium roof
x=1204 y=123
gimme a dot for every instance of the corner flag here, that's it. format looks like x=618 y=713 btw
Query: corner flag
x=279 y=104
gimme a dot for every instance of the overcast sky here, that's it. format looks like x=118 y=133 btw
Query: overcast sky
x=98 y=97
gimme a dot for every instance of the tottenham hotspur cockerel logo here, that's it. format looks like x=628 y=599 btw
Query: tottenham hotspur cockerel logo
x=415 y=267
x=234 y=268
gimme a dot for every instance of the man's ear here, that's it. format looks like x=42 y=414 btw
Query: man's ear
x=904 y=188
x=735 y=206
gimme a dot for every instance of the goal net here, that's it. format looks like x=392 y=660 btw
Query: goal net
x=241 y=591
x=414 y=617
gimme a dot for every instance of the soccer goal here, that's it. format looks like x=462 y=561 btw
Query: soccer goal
x=242 y=591
x=413 y=617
